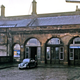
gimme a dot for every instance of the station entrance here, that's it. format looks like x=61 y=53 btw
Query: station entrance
x=54 y=51
x=33 y=49
x=74 y=52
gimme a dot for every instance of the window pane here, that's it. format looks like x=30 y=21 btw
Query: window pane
x=71 y=56
x=38 y=52
x=57 y=52
x=33 y=42
x=61 y=49
x=26 y=52
x=48 y=53
x=54 y=41
x=61 y=55
x=53 y=52
x=71 y=50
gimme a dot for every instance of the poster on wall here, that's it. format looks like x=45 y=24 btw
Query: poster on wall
x=16 y=53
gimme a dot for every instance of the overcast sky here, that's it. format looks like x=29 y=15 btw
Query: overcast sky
x=24 y=7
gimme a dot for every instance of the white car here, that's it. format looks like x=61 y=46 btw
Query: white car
x=27 y=63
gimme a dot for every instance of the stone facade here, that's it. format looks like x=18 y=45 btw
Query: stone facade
x=20 y=29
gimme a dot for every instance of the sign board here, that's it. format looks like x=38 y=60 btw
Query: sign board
x=74 y=47
x=76 y=1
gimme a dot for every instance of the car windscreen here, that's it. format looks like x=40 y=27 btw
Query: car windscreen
x=26 y=60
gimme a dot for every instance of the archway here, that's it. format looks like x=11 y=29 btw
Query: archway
x=54 y=51
x=33 y=49
x=16 y=50
x=74 y=51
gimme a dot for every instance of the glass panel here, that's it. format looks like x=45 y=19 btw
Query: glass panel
x=26 y=52
x=57 y=52
x=38 y=52
x=61 y=49
x=61 y=55
x=33 y=42
x=53 y=52
x=71 y=50
x=48 y=53
x=76 y=53
x=76 y=40
x=71 y=56
x=76 y=56
x=54 y=41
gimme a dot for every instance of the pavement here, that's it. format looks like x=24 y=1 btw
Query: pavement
x=8 y=65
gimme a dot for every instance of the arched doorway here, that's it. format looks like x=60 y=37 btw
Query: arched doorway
x=54 y=51
x=74 y=51
x=16 y=51
x=33 y=49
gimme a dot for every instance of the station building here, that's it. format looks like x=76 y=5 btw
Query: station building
x=54 y=38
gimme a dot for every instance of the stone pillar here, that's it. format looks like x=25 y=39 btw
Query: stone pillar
x=43 y=53
x=65 y=54
x=21 y=52
x=9 y=48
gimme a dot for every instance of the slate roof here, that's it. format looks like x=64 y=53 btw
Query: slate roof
x=42 y=21
x=15 y=23
x=59 y=20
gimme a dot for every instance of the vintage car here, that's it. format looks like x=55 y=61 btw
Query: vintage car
x=27 y=63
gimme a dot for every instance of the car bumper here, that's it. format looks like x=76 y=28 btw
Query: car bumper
x=19 y=66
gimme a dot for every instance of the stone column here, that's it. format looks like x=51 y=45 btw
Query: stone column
x=65 y=54
x=9 y=48
x=43 y=53
x=21 y=52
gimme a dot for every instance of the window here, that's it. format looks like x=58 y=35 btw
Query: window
x=54 y=41
x=48 y=53
x=33 y=42
x=17 y=50
x=27 y=52
x=38 y=52
x=61 y=53
x=71 y=55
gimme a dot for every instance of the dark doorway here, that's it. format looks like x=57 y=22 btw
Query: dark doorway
x=77 y=56
x=33 y=51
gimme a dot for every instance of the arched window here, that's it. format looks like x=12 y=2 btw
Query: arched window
x=33 y=42
x=54 y=50
x=16 y=52
x=54 y=41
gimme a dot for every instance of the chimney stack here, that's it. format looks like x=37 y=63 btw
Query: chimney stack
x=77 y=8
x=2 y=11
x=34 y=7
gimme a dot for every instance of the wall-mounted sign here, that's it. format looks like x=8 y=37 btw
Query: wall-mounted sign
x=16 y=53
x=73 y=1
x=74 y=46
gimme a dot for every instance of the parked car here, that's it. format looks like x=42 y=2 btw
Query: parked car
x=27 y=63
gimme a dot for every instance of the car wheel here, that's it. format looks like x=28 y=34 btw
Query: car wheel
x=29 y=66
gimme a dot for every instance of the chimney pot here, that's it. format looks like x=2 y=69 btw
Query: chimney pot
x=2 y=11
